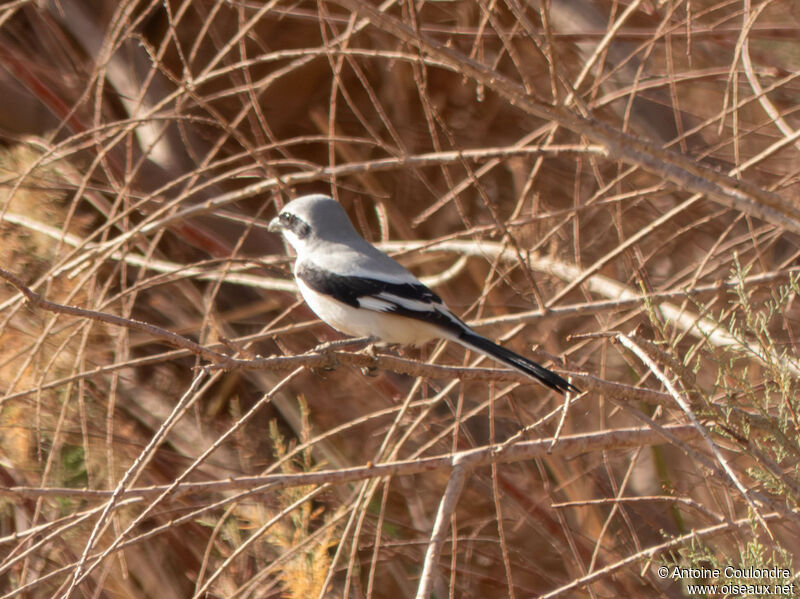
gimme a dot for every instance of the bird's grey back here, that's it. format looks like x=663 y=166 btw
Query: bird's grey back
x=335 y=245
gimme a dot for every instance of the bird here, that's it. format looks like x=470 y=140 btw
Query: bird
x=361 y=292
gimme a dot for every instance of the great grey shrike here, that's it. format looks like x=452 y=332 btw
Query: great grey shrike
x=360 y=291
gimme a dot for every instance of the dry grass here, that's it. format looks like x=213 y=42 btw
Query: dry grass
x=609 y=188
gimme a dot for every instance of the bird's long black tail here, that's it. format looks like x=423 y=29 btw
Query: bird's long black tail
x=515 y=361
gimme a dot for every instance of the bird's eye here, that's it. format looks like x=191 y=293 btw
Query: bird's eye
x=295 y=224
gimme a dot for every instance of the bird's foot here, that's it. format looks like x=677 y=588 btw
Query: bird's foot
x=371 y=350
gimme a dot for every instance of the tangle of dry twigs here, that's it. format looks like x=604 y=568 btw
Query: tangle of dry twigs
x=606 y=187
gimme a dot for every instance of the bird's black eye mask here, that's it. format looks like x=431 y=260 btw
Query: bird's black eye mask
x=295 y=224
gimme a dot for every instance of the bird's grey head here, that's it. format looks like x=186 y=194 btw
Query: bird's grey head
x=313 y=218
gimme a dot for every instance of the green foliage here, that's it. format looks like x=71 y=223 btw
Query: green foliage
x=763 y=571
x=753 y=405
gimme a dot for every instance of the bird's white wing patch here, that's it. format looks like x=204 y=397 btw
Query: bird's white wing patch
x=390 y=302
x=371 y=302
x=423 y=305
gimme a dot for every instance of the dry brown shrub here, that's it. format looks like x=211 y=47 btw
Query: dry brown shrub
x=608 y=188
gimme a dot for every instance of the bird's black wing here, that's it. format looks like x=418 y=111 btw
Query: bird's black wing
x=413 y=300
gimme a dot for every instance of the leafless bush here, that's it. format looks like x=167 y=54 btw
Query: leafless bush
x=607 y=187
